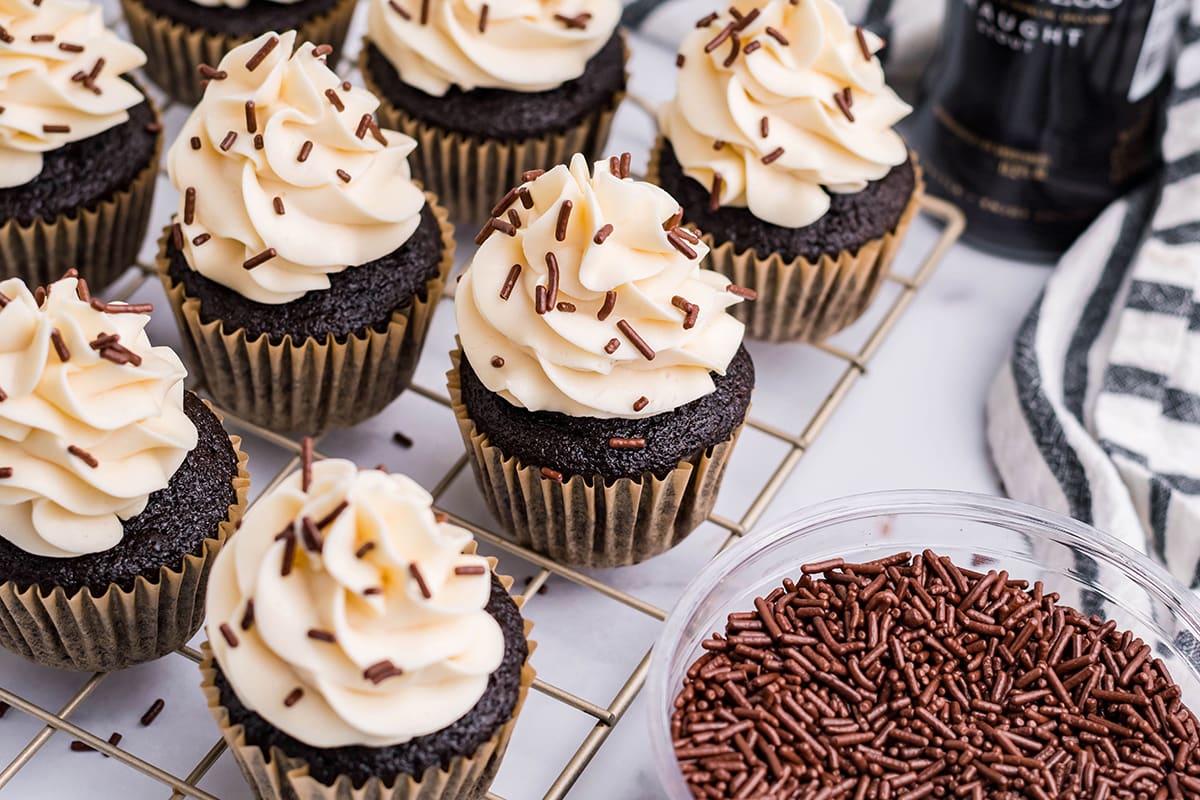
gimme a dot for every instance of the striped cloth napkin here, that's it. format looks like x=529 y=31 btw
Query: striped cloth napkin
x=1097 y=411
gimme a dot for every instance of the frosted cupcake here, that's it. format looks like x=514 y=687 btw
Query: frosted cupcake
x=780 y=146
x=304 y=263
x=117 y=487
x=359 y=647
x=185 y=39
x=601 y=383
x=492 y=90
x=79 y=144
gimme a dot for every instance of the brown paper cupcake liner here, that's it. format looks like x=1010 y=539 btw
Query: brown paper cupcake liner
x=119 y=628
x=802 y=301
x=275 y=775
x=174 y=51
x=315 y=385
x=101 y=241
x=590 y=521
x=469 y=174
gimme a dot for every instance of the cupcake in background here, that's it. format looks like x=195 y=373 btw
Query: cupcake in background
x=780 y=145
x=183 y=39
x=79 y=144
x=600 y=383
x=117 y=487
x=491 y=90
x=358 y=647
x=304 y=264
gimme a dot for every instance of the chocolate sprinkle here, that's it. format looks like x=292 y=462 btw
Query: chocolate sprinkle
x=626 y=164
x=201 y=239
x=399 y=9
x=189 y=205
x=305 y=151
x=251 y=119
x=364 y=125
x=70 y=47
x=603 y=234
x=551 y=279
x=551 y=474
x=504 y=226
x=705 y=21
x=610 y=302
x=227 y=633
x=764 y=127
x=312 y=537
x=471 y=569
x=497 y=362
x=720 y=38
x=565 y=307
x=60 y=346
x=777 y=36
x=322 y=50
x=260 y=259
x=263 y=52
x=371 y=591
x=742 y=291
x=122 y=308
x=327 y=520
x=641 y=403
x=345 y=176
x=5 y=36
x=306 y=463
x=289 y=552
x=734 y=48
x=424 y=12
x=293 y=697
x=56 y=128
x=259 y=143
x=526 y=197
x=514 y=218
x=863 y=46
x=211 y=73
x=679 y=244
x=564 y=217
x=382 y=670
x=680 y=60
x=773 y=156
x=402 y=440
x=626 y=444
x=228 y=141
x=321 y=636
x=195 y=142
x=277 y=203
x=532 y=175
x=84 y=456
x=335 y=100
x=540 y=304
x=248 y=615
x=415 y=571
x=577 y=22
x=6 y=472
x=514 y=273
x=612 y=346
x=483 y=18
x=362 y=551
x=843 y=104
x=636 y=340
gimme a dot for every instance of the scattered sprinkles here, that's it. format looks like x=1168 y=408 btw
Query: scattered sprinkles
x=261 y=55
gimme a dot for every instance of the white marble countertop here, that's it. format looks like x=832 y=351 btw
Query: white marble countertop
x=916 y=420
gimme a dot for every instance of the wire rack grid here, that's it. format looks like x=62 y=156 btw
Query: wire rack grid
x=603 y=716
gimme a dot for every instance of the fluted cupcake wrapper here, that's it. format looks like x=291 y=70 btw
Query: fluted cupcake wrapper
x=275 y=775
x=468 y=173
x=174 y=51
x=315 y=385
x=118 y=628
x=591 y=521
x=101 y=241
x=803 y=301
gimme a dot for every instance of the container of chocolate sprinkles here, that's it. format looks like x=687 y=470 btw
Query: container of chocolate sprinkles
x=928 y=644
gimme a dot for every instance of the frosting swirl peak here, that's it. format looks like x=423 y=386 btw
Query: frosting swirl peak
x=349 y=614
x=91 y=423
x=518 y=45
x=60 y=81
x=782 y=104
x=587 y=298
x=284 y=176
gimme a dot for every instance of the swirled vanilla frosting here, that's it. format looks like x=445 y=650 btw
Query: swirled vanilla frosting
x=349 y=614
x=285 y=178
x=91 y=419
x=60 y=81
x=781 y=104
x=517 y=45
x=587 y=298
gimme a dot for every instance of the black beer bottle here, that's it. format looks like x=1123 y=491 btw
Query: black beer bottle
x=1036 y=114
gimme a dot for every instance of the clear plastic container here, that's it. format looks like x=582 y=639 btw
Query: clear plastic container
x=1091 y=570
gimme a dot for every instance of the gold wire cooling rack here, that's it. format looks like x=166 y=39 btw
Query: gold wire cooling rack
x=606 y=715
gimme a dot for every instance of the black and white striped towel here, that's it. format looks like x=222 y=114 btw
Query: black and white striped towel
x=1097 y=411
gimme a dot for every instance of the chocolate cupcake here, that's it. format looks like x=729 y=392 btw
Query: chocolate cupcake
x=600 y=384
x=117 y=487
x=358 y=647
x=79 y=144
x=183 y=38
x=491 y=91
x=779 y=145
x=304 y=264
